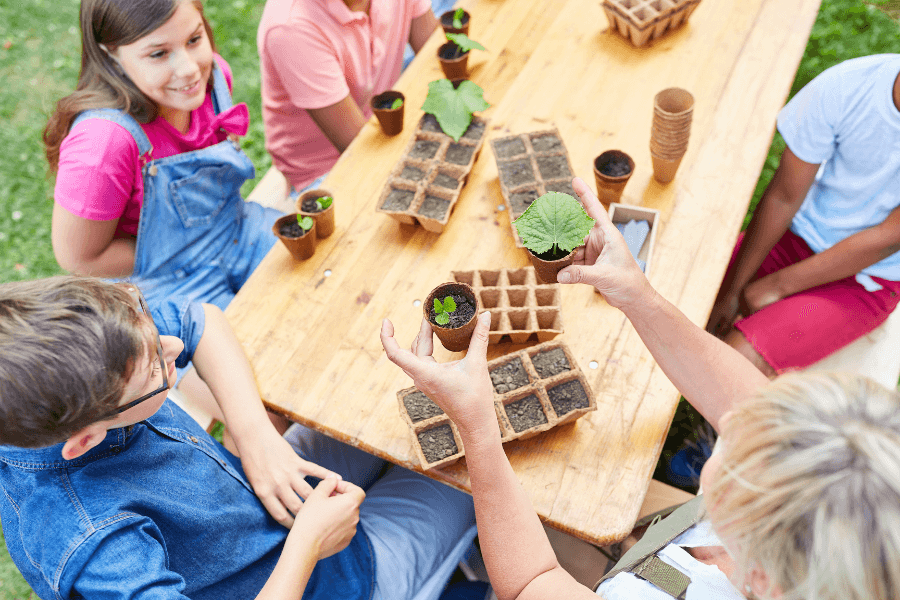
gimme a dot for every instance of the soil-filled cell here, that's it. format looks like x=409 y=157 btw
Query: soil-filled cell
x=553 y=167
x=546 y=143
x=509 y=376
x=398 y=200
x=437 y=443
x=420 y=407
x=434 y=207
x=517 y=172
x=525 y=413
x=561 y=186
x=459 y=154
x=550 y=363
x=430 y=123
x=424 y=149
x=412 y=173
x=520 y=201
x=475 y=131
x=509 y=148
x=446 y=181
x=567 y=397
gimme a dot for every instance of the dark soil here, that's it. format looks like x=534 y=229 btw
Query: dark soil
x=398 y=200
x=420 y=407
x=567 y=397
x=546 y=143
x=614 y=166
x=554 y=253
x=446 y=181
x=561 y=186
x=516 y=173
x=412 y=173
x=430 y=123
x=520 y=201
x=509 y=148
x=525 y=413
x=292 y=230
x=465 y=309
x=447 y=19
x=385 y=104
x=434 y=207
x=424 y=149
x=437 y=443
x=509 y=376
x=475 y=131
x=451 y=51
x=309 y=205
x=553 y=167
x=550 y=362
x=459 y=154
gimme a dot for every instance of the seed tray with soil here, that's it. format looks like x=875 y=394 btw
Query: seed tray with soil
x=540 y=404
x=640 y=21
x=426 y=183
x=529 y=165
x=508 y=377
x=522 y=310
x=439 y=445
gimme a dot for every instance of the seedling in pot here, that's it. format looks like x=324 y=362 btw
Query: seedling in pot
x=325 y=201
x=303 y=225
x=453 y=106
x=462 y=44
x=442 y=310
x=551 y=228
x=457 y=18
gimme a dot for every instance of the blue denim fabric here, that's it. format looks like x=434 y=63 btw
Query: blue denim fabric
x=160 y=510
x=197 y=241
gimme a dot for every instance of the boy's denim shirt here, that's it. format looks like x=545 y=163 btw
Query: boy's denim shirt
x=158 y=510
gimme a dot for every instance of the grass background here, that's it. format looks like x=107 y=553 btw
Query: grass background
x=39 y=62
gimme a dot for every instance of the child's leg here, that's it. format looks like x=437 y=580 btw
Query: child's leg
x=255 y=242
x=354 y=465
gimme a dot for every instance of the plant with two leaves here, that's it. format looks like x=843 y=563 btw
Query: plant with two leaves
x=453 y=106
x=323 y=202
x=457 y=18
x=305 y=223
x=443 y=309
x=555 y=223
x=463 y=44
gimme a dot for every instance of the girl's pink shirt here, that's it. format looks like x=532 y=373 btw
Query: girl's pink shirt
x=99 y=175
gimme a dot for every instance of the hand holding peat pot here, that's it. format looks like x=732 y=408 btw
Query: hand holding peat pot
x=551 y=228
x=298 y=234
x=319 y=206
x=450 y=308
x=388 y=109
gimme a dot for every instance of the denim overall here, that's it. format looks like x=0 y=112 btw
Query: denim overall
x=198 y=241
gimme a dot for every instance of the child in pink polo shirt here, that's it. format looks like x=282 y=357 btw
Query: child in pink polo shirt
x=322 y=61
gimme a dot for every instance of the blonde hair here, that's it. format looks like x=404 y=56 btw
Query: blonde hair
x=809 y=489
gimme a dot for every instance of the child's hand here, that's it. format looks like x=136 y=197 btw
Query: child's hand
x=330 y=515
x=461 y=388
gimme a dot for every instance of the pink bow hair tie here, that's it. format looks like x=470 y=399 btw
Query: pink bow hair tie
x=235 y=120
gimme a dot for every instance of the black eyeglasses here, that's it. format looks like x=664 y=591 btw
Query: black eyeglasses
x=135 y=293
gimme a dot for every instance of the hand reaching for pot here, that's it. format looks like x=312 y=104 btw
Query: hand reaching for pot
x=605 y=261
x=462 y=388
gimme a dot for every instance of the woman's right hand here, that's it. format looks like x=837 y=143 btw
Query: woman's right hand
x=330 y=515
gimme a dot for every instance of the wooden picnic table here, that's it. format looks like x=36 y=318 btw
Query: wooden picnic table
x=310 y=328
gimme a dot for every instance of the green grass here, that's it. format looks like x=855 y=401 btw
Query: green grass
x=39 y=60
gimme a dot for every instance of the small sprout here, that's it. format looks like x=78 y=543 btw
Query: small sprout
x=398 y=102
x=464 y=42
x=324 y=202
x=555 y=221
x=457 y=18
x=305 y=223
x=442 y=311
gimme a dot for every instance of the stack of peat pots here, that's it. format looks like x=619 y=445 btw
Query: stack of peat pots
x=673 y=109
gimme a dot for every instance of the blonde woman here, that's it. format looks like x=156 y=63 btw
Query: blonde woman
x=802 y=498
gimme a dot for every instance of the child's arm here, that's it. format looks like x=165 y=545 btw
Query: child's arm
x=421 y=29
x=274 y=470
x=89 y=247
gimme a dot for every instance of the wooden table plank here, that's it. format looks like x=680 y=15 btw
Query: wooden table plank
x=312 y=340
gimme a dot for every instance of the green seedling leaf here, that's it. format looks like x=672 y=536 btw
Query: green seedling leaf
x=453 y=108
x=398 y=102
x=442 y=310
x=464 y=42
x=457 y=18
x=324 y=202
x=442 y=318
x=305 y=223
x=449 y=304
x=554 y=219
x=438 y=307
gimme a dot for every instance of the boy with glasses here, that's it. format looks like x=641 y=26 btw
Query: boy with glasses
x=110 y=490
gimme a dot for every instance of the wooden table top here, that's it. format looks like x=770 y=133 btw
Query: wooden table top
x=310 y=329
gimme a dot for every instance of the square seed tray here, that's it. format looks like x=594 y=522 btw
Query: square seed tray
x=425 y=185
x=521 y=309
x=622 y=213
x=543 y=381
x=530 y=165
x=643 y=20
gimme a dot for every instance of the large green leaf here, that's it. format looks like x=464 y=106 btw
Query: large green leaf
x=554 y=219
x=464 y=42
x=453 y=108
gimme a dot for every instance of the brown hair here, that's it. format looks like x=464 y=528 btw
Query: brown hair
x=102 y=83
x=68 y=346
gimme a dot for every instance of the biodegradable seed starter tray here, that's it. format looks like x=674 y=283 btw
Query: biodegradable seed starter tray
x=425 y=185
x=642 y=249
x=535 y=389
x=530 y=165
x=643 y=20
x=521 y=309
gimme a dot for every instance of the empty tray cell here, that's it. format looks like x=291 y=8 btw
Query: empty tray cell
x=567 y=397
x=517 y=297
x=546 y=143
x=564 y=186
x=553 y=167
x=445 y=180
x=467 y=277
x=398 y=199
x=517 y=277
x=551 y=362
x=434 y=207
x=509 y=376
x=520 y=201
x=643 y=16
x=547 y=318
x=516 y=173
x=490 y=298
x=437 y=443
x=546 y=296
x=518 y=320
x=412 y=173
x=420 y=407
x=509 y=147
x=489 y=278
x=525 y=413
x=459 y=154
x=424 y=149
x=475 y=131
x=496 y=320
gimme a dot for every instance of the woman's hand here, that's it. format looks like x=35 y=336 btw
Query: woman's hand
x=605 y=261
x=461 y=388
x=276 y=473
x=330 y=515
